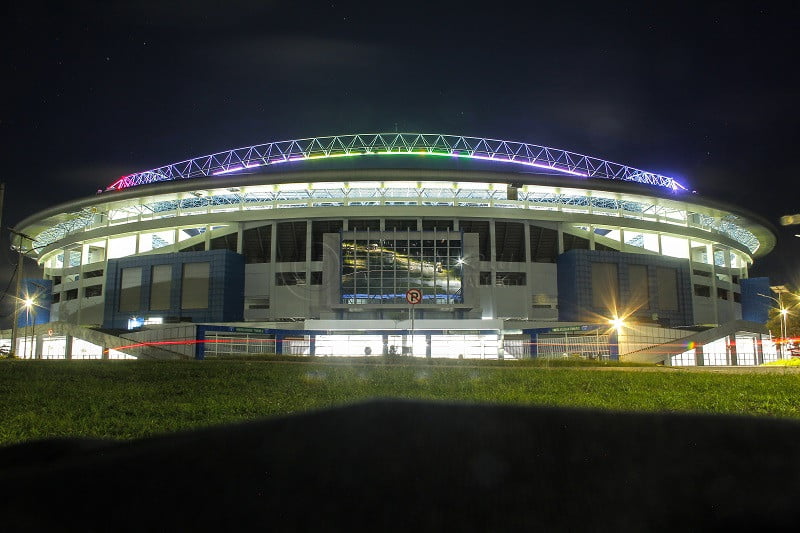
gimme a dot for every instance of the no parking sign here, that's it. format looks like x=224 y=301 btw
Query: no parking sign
x=414 y=296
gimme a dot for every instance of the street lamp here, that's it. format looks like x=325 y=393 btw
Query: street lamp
x=780 y=289
x=30 y=309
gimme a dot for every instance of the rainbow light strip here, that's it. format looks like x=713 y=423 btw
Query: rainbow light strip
x=494 y=150
x=239 y=168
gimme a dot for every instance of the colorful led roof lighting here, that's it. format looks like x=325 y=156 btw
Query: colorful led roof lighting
x=496 y=151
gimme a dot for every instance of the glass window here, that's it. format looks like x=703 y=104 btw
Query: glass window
x=130 y=289
x=667 y=283
x=510 y=279
x=160 y=287
x=194 y=289
x=381 y=270
x=605 y=286
x=640 y=292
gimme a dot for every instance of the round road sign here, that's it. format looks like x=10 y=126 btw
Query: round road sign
x=414 y=296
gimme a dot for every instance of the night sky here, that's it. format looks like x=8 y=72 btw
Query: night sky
x=705 y=93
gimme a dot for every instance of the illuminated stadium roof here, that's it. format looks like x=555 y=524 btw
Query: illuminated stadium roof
x=240 y=160
x=427 y=170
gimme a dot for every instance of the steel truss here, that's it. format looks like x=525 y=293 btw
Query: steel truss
x=542 y=157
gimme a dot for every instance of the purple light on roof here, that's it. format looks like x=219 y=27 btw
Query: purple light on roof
x=228 y=171
x=530 y=164
x=237 y=168
x=548 y=159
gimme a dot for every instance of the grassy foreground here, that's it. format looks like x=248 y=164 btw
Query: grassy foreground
x=129 y=399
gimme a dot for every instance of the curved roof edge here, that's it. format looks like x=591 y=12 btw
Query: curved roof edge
x=764 y=230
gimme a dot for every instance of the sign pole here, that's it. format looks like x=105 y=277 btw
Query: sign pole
x=413 y=297
x=412 y=330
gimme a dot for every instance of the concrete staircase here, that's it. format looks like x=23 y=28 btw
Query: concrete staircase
x=660 y=353
x=100 y=338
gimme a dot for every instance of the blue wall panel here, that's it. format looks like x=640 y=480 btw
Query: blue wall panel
x=575 y=288
x=225 y=288
x=755 y=307
x=41 y=292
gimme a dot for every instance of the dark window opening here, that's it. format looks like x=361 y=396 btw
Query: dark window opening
x=363 y=225
x=438 y=225
x=225 y=242
x=290 y=278
x=199 y=247
x=510 y=279
x=480 y=227
x=573 y=242
x=702 y=290
x=544 y=244
x=291 y=242
x=257 y=244
x=94 y=290
x=603 y=248
x=509 y=241
x=401 y=225
x=318 y=230
x=485 y=278
x=71 y=294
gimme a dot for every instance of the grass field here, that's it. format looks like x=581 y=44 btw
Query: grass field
x=129 y=399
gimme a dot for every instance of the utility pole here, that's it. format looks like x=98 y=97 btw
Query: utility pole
x=20 y=271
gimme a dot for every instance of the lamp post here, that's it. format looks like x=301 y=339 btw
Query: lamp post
x=19 y=273
x=780 y=289
x=28 y=303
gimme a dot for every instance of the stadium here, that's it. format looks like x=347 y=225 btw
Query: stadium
x=424 y=245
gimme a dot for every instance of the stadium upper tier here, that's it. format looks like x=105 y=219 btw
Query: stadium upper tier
x=417 y=174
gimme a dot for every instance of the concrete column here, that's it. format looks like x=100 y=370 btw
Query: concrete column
x=759 y=349
x=698 y=356
x=38 y=343
x=732 y=358
x=68 y=347
x=527 y=236
x=714 y=287
x=501 y=351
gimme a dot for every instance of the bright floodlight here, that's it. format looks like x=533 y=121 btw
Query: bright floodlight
x=28 y=302
x=617 y=322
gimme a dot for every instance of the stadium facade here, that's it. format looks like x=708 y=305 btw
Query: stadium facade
x=422 y=244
